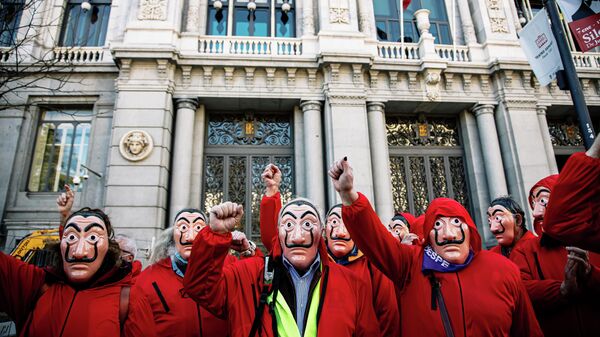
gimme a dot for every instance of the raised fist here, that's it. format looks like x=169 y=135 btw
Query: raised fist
x=343 y=180
x=240 y=242
x=65 y=202
x=271 y=176
x=224 y=217
x=409 y=238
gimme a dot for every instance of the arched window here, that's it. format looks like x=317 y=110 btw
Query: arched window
x=387 y=17
x=268 y=18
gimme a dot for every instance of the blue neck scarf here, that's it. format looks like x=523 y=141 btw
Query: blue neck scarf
x=433 y=262
x=179 y=264
x=345 y=259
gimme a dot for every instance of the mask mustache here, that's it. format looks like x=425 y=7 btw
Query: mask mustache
x=335 y=238
x=184 y=243
x=299 y=245
x=83 y=259
x=450 y=242
x=501 y=230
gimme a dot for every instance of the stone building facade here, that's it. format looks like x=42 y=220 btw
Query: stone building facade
x=181 y=103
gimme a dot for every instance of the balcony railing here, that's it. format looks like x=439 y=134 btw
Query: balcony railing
x=79 y=55
x=397 y=51
x=587 y=60
x=449 y=53
x=250 y=46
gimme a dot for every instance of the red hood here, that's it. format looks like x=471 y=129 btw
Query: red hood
x=417 y=228
x=410 y=218
x=448 y=207
x=547 y=182
x=276 y=252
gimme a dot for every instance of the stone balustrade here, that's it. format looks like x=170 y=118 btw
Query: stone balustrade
x=235 y=45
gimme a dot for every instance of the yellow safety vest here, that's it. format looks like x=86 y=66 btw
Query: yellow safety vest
x=286 y=324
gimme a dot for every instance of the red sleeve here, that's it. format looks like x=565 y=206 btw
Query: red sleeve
x=544 y=294
x=573 y=215
x=524 y=322
x=366 y=322
x=375 y=241
x=204 y=279
x=140 y=320
x=269 y=211
x=385 y=303
x=20 y=284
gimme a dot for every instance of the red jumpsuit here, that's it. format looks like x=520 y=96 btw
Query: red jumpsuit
x=232 y=292
x=573 y=214
x=175 y=313
x=384 y=303
x=547 y=182
x=486 y=298
x=527 y=236
x=65 y=311
x=543 y=271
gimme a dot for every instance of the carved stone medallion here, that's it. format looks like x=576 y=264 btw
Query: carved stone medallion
x=136 y=145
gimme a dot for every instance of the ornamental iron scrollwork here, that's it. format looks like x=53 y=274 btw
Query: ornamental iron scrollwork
x=411 y=131
x=230 y=129
x=213 y=182
x=565 y=133
x=418 y=181
x=399 y=190
x=438 y=177
x=459 y=183
x=258 y=190
x=237 y=183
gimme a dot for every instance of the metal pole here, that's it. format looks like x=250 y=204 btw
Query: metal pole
x=585 y=123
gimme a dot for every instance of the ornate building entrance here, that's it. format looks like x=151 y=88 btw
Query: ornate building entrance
x=238 y=147
x=426 y=162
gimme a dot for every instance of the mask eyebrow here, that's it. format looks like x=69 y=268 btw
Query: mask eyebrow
x=540 y=192
x=92 y=225
x=290 y=214
x=308 y=213
x=74 y=225
x=334 y=213
x=496 y=211
x=199 y=218
x=184 y=219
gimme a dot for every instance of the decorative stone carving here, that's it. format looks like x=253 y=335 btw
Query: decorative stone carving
x=207 y=76
x=249 y=77
x=467 y=82
x=585 y=85
x=393 y=79
x=449 y=79
x=335 y=72
x=229 y=77
x=125 y=69
x=339 y=11
x=527 y=80
x=356 y=74
x=270 y=78
x=162 y=67
x=536 y=85
x=153 y=10
x=412 y=80
x=432 y=84
x=312 y=77
x=508 y=79
x=136 y=145
x=498 y=20
x=552 y=87
x=308 y=19
x=374 y=78
x=291 y=77
x=423 y=24
x=186 y=75
x=485 y=83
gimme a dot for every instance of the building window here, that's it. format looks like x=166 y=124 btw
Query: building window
x=271 y=18
x=10 y=17
x=426 y=162
x=566 y=137
x=238 y=148
x=387 y=17
x=61 y=147
x=85 y=28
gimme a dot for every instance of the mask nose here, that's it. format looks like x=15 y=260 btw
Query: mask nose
x=80 y=250
x=341 y=232
x=539 y=210
x=296 y=235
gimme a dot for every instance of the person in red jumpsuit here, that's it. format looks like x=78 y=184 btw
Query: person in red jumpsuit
x=341 y=249
x=295 y=291
x=573 y=214
x=506 y=219
x=449 y=285
x=562 y=282
x=175 y=313
x=400 y=227
x=89 y=292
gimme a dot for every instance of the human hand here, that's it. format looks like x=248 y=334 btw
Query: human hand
x=570 y=287
x=240 y=242
x=271 y=176
x=224 y=217
x=594 y=150
x=65 y=202
x=342 y=177
x=409 y=238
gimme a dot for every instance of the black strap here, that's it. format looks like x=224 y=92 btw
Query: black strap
x=124 y=305
x=267 y=280
x=437 y=298
x=538 y=266
x=160 y=296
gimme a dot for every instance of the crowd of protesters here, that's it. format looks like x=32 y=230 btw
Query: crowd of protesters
x=345 y=274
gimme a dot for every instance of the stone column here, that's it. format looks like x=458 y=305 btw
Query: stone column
x=309 y=18
x=203 y=16
x=313 y=148
x=467 y=22
x=181 y=177
x=541 y=114
x=490 y=147
x=380 y=160
x=198 y=157
x=366 y=18
x=193 y=16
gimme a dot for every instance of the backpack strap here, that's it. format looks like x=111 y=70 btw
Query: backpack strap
x=267 y=281
x=124 y=305
x=438 y=298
